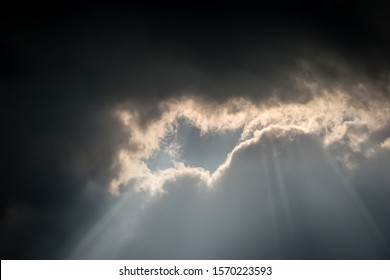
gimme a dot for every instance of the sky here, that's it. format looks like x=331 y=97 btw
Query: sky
x=218 y=132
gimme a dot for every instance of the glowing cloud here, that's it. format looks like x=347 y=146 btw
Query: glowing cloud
x=335 y=117
x=386 y=144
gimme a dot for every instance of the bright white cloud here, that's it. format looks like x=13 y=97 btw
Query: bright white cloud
x=335 y=117
x=386 y=144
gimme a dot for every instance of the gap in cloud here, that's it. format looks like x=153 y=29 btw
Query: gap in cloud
x=159 y=161
x=207 y=150
x=166 y=155
x=187 y=144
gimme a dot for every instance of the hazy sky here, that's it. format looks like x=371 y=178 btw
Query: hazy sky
x=216 y=132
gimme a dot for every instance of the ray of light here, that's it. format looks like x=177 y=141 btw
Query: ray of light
x=362 y=209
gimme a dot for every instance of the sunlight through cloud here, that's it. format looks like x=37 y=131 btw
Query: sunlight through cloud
x=336 y=118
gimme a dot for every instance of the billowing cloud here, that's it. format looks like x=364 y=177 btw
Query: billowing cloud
x=338 y=118
x=386 y=144
x=294 y=203
x=290 y=188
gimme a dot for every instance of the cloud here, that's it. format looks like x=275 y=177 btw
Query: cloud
x=101 y=100
x=338 y=118
x=386 y=144
x=281 y=197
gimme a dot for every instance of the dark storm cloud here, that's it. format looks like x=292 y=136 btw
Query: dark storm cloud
x=53 y=154
x=219 y=53
x=64 y=69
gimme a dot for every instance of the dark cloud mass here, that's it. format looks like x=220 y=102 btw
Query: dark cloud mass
x=318 y=192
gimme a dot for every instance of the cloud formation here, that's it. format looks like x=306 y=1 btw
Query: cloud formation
x=337 y=118
x=386 y=144
x=294 y=203
x=197 y=116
